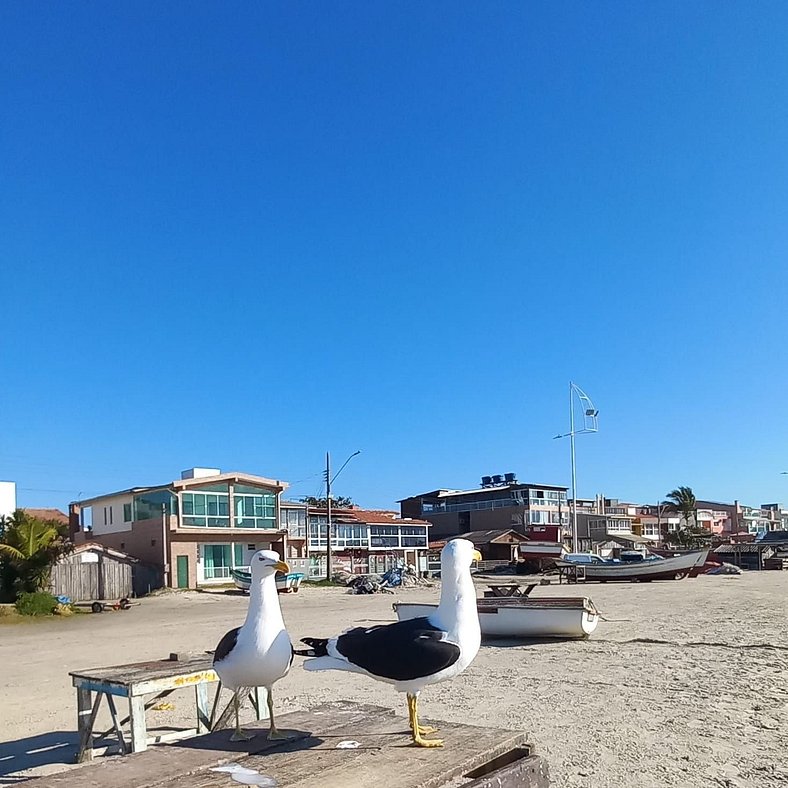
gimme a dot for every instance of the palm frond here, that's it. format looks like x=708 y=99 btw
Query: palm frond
x=11 y=552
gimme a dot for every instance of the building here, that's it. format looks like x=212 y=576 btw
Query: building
x=500 y=502
x=496 y=545
x=727 y=516
x=777 y=515
x=92 y=571
x=366 y=540
x=7 y=498
x=293 y=519
x=197 y=528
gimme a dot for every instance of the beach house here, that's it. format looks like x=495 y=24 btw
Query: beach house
x=197 y=528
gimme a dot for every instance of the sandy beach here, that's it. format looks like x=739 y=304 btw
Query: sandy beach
x=683 y=683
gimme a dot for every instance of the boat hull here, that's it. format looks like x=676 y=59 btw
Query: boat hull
x=676 y=568
x=547 y=618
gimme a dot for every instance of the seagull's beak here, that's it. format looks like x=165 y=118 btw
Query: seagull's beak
x=477 y=556
x=281 y=566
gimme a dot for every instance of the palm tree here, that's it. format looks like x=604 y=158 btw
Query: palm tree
x=29 y=549
x=682 y=501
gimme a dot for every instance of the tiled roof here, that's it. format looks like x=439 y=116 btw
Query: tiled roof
x=48 y=514
x=486 y=537
x=373 y=516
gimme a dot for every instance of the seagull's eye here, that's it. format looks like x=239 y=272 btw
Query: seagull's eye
x=260 y=558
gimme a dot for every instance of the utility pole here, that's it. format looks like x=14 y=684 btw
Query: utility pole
x=590 y=424
x=328 y=516
x=329 y=482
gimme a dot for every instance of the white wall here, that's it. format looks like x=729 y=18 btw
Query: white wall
x=7 y=498
x=108 y=515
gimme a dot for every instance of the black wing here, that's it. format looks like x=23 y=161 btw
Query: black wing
x=226 y=645
x=401 y=651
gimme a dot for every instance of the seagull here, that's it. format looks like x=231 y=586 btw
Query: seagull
x=413 y=654
x=259 y=653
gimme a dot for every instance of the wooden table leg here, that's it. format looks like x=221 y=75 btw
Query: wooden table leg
x=259 y=698
x=139 y=730
x=86 y=716
x=201 y=698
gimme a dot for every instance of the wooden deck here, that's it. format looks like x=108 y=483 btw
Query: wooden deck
x=473 y=757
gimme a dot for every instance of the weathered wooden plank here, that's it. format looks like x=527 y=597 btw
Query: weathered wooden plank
x=385 y=749
x=159 y=765
x=528 y=772
x=146 y=671
x=310 y=758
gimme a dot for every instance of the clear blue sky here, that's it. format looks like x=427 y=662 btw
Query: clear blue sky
x=238 y=235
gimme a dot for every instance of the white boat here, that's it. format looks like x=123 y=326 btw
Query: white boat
x=523 y=617
x=284 y=583
x=654 y=568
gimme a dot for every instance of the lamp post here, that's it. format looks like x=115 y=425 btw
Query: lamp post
x=590 y=424
x=329 y=482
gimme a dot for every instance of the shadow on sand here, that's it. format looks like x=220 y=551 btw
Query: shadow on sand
x=45 y=749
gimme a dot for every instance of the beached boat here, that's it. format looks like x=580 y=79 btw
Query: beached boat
x=284 y=583
x=523 y=617
x=653 y=568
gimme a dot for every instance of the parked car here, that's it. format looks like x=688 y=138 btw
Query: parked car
x=584 y=558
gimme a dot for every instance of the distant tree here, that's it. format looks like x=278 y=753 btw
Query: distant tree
x=682 y=501
x=337 y=501
x=29 y=548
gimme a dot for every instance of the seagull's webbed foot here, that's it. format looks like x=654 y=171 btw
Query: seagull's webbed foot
x=419 y=741
x=420 y=731
x=274 y=734
x=241 y=735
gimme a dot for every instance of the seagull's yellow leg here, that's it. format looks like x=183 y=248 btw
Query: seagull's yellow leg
x=417 y=730
x=424 y=730
x=273 y=732
x=238 y=735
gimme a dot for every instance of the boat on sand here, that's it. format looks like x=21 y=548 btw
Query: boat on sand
x=523 y=617
x=284 y=583
x=653 y=568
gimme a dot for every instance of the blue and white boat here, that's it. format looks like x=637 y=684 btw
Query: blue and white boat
x=284 y=583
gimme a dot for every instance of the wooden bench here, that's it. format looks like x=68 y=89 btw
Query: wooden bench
x=143 y=684
x=333 y=746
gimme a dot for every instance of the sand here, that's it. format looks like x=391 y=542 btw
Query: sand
x=683 y=685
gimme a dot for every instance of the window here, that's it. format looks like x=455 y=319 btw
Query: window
x=126 y=512
x=216 y=561
x=255 y=511
x=86 y=518
x=206 y=509
x=148 y=505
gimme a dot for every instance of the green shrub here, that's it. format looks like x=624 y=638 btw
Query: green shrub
x=37 y=603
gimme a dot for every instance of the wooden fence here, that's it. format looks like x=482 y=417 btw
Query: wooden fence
x=88 y=581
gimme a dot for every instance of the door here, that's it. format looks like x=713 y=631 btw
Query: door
x=183 y=571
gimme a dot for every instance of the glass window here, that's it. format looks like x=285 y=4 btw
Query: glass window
x=147 y=505
x=238 y=555
x=217 y=561
x=255 y=511
x=206 y=509
x=126 y=512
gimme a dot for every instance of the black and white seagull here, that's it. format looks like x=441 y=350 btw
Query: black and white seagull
x=413 y=654
x=259 y=653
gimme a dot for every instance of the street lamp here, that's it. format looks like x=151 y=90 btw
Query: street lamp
x=329 y=482
x=590 y=424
